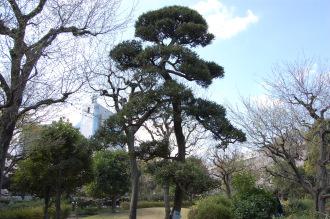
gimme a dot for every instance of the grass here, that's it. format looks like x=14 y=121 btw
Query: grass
x=143 y=213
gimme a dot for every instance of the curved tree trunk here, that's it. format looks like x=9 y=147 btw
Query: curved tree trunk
x=181 y=143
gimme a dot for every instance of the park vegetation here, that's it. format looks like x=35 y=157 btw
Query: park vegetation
x=142 y=156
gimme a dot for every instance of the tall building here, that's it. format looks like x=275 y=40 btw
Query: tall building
x=93 y=116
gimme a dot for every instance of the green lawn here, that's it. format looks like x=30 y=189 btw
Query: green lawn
x=143 y=213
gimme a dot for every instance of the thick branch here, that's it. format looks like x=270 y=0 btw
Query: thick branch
x=37 y=10
x=45 y=102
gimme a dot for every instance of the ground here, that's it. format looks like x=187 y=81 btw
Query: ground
x=143 y=213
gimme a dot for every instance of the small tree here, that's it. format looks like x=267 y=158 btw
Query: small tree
x=111 y=175
x=226 y=164
x=58 y=161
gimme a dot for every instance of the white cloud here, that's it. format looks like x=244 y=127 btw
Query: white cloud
x=222 y=21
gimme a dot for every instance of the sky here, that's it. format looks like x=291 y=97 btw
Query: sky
x=251 y=37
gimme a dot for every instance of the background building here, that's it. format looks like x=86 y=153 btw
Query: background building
x=93 y=116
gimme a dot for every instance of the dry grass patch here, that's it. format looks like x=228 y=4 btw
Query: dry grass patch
x=142 y=213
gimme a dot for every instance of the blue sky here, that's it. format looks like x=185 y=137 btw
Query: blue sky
x=252 y=36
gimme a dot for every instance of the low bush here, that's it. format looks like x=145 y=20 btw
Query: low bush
x=31 y=212
x=212 y=207
x=255 y=203
x=87 y=211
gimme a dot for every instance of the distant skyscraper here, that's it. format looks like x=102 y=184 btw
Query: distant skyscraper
x=93 y=116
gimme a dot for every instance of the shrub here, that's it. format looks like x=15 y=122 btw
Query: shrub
x=212 y=207
x=87 y=211
x=243 y=181
x=298 y=206
x=31 y=212
x=255 y=203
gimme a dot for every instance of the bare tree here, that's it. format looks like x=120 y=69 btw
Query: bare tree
x=226 y=164
x=298 y=103
x=39 y=54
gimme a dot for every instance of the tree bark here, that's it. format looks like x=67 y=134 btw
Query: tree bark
x=322 y=172
x=181 y=143
x=7 y=127
x=113 y=204
x=58 y=195
x=135 y=174
x=227 y=183
x=167 y=200
x=47 y=198
x=58 y=204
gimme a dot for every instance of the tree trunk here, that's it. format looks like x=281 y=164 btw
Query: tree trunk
x=321 y=203
x=58 y=204
x=167 y=200
x=47 y=198
x=58 y=195
x=113 y=204
x=227 y=183
x=322 y=173
x=181 y=143
x=135 y=174
x=178 y=197
x=7 y=127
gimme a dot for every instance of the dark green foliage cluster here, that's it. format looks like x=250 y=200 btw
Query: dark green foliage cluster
x=212 y=207
x=151 y=149
x=175 y=22
x=250 y=202
x=255 y=203
x=192 y=175
x=58 y=154
x=171 y=30
x=111 y=174
x=213 y=117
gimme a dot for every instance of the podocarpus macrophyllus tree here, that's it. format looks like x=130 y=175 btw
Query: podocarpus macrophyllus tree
x=164 y=49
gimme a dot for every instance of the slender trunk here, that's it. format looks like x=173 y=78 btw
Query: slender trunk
x=113 y=204
x=227 y=185
x=322 y=172
x=135 y=189
x=58 y=203
x=321 y=203
x=181 y=143
x=58 y=195
x=167 y=200
x=47 y=198
x=135 y=174
x=7 y=127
